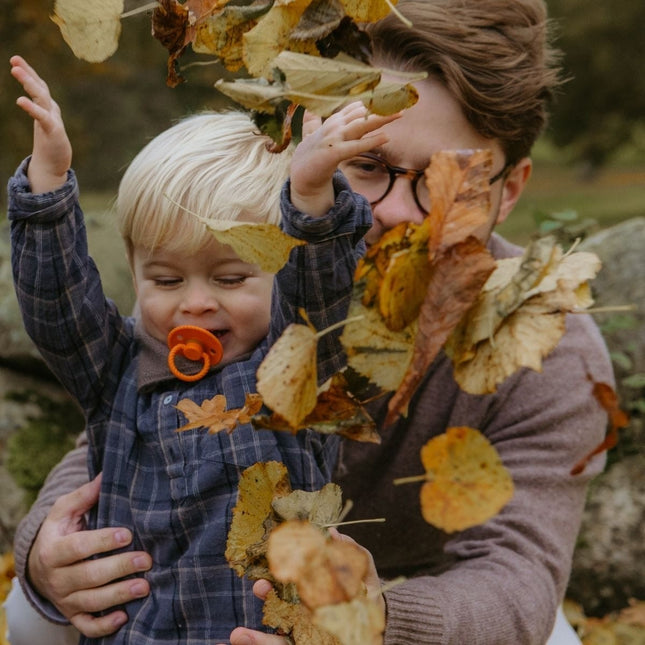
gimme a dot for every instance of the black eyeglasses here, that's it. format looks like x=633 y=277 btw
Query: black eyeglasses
x=373 y=178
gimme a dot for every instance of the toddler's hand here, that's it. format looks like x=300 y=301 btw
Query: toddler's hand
x=347 y=133
x=52 y=152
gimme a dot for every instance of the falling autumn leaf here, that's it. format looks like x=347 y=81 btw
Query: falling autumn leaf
x=322 y=507
x=246 y=542
x=487 y=346
x=325 y=571
x=321 y=85
x=212 y=413
x=262 y=244
x=606 y=396
x=337 y=411
x=357 y=622
x=295 y=619
x=221 y=34
x=91 y=28
x=286 y=378
x=466 y=482
x=457 y=277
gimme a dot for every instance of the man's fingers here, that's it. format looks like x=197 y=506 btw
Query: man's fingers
x=101 y=598
x=244 y=636
x=73 y=506
x=95 y=627
x=261 y=588
x=94 y=574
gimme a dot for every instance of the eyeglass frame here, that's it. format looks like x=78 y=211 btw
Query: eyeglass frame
x=414 y=175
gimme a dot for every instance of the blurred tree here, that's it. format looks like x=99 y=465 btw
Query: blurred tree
x=110 y=109
x=603 y=103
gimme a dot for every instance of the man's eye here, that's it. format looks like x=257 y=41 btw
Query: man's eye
x=365 y=166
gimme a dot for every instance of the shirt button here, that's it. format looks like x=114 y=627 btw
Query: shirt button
x=168 y=399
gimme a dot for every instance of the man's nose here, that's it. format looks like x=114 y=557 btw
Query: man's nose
x=397 y=206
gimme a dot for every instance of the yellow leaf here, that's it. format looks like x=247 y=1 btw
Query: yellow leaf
x=270 y=36
x=259 y=485
x=296 y=620
x=262 y=244
x=287 y=377
x=320 y=507
x=467 y=483
x=325 y=571
x=90 y=27
x=221 y=34
x=361 y=11
x=357 y=622
x=373 y=350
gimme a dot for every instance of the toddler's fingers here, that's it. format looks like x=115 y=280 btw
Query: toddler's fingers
x=310 y=123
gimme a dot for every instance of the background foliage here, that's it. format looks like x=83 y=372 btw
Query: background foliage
x=113 y=108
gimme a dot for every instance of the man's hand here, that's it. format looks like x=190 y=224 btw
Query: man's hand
x=59 y=569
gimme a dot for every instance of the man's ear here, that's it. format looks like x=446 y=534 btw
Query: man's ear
x=513 y=187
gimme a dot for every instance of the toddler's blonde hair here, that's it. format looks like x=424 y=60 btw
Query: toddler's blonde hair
x=213 y=164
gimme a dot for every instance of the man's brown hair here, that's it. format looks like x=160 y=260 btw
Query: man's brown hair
x=493 y=56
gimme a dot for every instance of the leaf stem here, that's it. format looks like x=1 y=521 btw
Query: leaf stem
x=602 y=310
x=339 y=324
x=370 y=521
x=398 y=14
x=410 y=480
x=143 y=9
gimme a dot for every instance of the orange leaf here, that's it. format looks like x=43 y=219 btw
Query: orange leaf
x=467 y=482
x=458 y=274
x=212 y=413
x=608 y=399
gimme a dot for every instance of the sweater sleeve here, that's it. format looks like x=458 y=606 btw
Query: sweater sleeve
x=502 y=581
x=67 y=476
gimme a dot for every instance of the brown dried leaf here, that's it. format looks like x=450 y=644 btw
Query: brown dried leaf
x=467 y=482
x=295 y=620
x=259 y=485
x=337 y=412
x=458 y=274
x=357 y=622
x=325 y=571
x=212 y=413
x=457 y=181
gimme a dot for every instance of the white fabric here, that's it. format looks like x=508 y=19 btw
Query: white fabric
x=563 y=633
x=25 y=626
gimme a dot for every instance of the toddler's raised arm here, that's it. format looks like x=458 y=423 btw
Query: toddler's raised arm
x=347 y=133
x=52 y=151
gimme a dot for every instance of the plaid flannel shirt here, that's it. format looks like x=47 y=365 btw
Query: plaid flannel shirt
x=176 y=491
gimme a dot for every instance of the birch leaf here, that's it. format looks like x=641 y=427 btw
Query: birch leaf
x=262 y=244
x=246 y=542
x=287 y=377
x=357 y=622
x=91 y=28
x=467 y=482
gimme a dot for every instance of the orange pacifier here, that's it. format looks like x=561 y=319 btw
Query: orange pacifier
x=195 y=344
